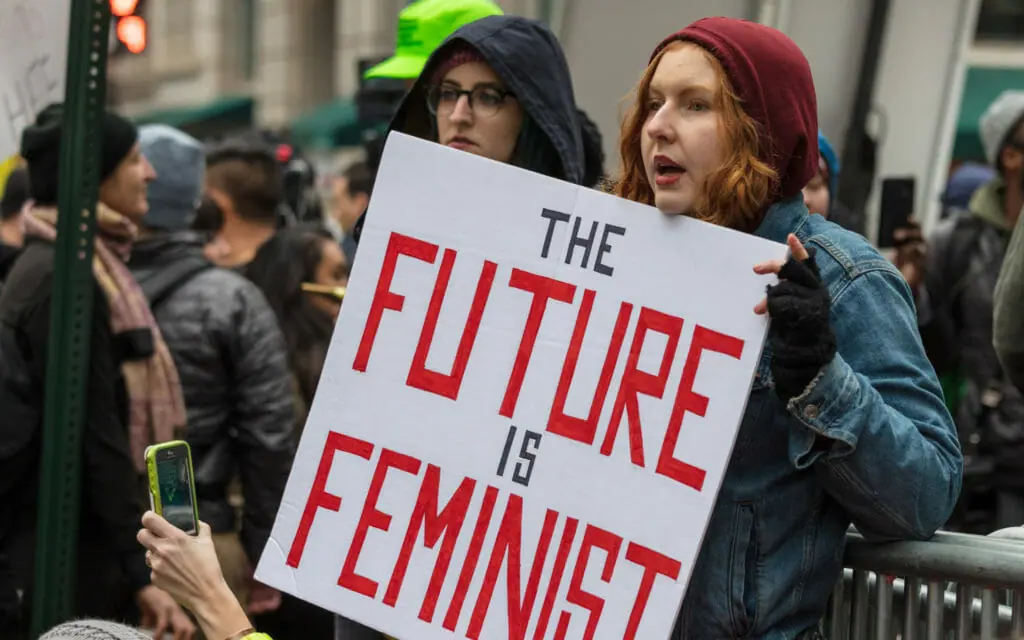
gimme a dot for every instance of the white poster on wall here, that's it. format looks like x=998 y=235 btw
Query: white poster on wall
x=527 y=409
x=33 y=55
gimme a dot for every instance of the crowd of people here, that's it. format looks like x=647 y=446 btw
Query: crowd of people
x=888 y=394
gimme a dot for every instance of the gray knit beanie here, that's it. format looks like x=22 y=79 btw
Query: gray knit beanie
x=93 y=630
x=997 y=123
x=180 y=163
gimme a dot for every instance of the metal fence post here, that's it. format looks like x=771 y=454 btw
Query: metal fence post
x=67 y=366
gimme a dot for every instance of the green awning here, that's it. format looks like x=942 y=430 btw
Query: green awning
x=212 y=118
x=334 y=124
x=981 y=87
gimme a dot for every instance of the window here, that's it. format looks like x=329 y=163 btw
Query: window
x=1001 y=20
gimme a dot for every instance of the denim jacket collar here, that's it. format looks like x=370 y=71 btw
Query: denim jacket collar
x=783 y=218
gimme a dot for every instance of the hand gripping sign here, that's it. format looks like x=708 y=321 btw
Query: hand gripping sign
x=527 y=409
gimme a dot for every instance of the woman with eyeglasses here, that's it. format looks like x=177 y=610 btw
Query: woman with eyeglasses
x=500 y=88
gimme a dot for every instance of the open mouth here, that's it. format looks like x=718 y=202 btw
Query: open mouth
x=667 y=171
x=665 y=166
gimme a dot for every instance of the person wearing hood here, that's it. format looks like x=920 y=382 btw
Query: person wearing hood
x=844 y=400
x=14 y=198
x=230 y=355
x=499 y=88
x=132 y=397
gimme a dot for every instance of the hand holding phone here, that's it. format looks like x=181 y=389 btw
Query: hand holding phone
x=172 y=487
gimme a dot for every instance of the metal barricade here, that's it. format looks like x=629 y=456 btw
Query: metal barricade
x=952 y=586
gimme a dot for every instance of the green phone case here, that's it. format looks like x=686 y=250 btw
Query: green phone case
x=154 y=484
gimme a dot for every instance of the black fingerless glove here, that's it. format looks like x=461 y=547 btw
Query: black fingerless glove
x=800 y=335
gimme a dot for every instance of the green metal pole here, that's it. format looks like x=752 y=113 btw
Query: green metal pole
x=67 y=368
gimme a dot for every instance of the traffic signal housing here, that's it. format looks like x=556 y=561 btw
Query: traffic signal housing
x=129 y=25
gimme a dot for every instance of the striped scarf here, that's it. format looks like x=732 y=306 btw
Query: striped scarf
x=156 y=408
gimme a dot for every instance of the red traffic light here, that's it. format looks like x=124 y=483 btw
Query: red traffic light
x=122 y=8
x=131 y=31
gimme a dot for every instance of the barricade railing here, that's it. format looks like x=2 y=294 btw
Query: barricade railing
x=954 y=585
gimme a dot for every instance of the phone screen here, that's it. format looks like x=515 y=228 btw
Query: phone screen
x=175 y=485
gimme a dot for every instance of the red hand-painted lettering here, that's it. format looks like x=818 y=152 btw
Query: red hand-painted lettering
x=687 y=400
x=373 y=517
x=383 y=297
x=635 y=381
x=318 y=496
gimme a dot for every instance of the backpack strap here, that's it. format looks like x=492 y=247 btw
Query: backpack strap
x=160 y=287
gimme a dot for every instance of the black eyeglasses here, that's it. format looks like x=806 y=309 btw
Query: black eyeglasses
x=483 y=100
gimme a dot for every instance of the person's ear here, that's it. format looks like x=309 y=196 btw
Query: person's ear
x=363 y=200
x=1011 y=159
x=223 y=201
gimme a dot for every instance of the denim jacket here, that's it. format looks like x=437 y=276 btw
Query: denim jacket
x=870 y=441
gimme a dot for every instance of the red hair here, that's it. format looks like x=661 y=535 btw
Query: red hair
x=736 y=194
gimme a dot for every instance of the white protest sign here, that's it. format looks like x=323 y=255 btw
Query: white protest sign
x=33 y=55
x=527 y=409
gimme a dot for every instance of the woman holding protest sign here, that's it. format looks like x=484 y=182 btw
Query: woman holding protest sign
x=844 y=402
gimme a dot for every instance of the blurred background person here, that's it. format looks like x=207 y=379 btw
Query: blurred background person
x=302 y=271
x=350 y=197
x=231 y=359
x=15 y=195
x=132 y=399
x=820 y=193
x=244 y=179
x=960 y=188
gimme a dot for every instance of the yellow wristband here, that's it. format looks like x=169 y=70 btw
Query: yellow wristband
x=249 y=634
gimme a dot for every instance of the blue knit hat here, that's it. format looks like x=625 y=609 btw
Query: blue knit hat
x=180 y=164
x=828 y=156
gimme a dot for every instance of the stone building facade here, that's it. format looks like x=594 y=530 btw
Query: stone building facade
x=289 y=56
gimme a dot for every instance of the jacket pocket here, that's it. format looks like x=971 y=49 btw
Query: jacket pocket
x=743 y=568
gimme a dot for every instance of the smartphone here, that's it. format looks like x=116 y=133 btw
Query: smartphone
x=896 y=208
x=172 y=485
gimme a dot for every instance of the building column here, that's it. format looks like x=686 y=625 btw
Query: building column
x=295 y=65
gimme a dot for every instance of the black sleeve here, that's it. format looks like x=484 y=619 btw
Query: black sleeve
x=934 y=310
x=112 y=490
x=263 y=414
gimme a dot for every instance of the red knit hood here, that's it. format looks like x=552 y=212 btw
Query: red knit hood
x=773 y=79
